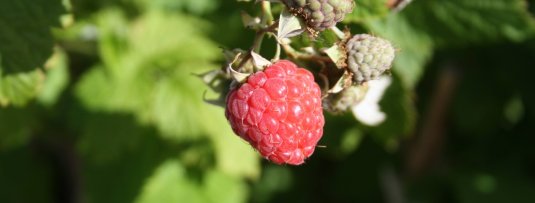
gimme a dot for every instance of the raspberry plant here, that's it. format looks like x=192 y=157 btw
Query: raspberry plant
x=98 y=102
x=263 y=103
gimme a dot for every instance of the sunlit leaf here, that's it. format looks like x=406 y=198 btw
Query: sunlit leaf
x=19 y=88
x=56 y=80
x=172 y=183
x=193 y=6
x=234 y=156
x=234 y=189
x=153 y=80
x=367 y=10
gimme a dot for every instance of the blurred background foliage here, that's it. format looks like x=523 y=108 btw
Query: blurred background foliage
x=100 y=103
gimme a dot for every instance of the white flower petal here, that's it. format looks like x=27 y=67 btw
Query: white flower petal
x=368 y=110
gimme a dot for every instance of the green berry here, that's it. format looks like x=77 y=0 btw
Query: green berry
x=368 y=57
x=320 y=14
x=344 y=100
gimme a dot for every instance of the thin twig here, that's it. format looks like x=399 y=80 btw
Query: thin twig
x=292 y=53
x=267 y=19
x=339 y=33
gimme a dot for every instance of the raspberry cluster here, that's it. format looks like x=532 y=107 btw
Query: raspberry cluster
x=277 y=107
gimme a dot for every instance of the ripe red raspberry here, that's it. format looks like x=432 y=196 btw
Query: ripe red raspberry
x=279 y=112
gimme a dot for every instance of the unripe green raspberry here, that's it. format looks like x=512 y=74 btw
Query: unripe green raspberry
x=344 y=100
x=368 y=57
x=320 y=14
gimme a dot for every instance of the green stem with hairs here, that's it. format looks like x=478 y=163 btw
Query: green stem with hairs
x=267 y=21
x=339 y=33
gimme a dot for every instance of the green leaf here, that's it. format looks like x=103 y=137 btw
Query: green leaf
x=151 y=77
x=112 y=29
x=457 y=22
x=56 y=80
x=193 y=6
x=19 y=88
x=25 y=44
x=128 y=165
x=108 y=137
x=229 y=147
x=367 y=10
x=222 y=188
x=171 y=182
x=25 y=38
x=149 y=74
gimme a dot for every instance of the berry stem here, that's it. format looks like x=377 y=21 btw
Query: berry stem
x=277 y=52
x=341 y=35
x=257 y=43
x=267 y=16
x=294 y=54
x=269 y=25
x=267 y=22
